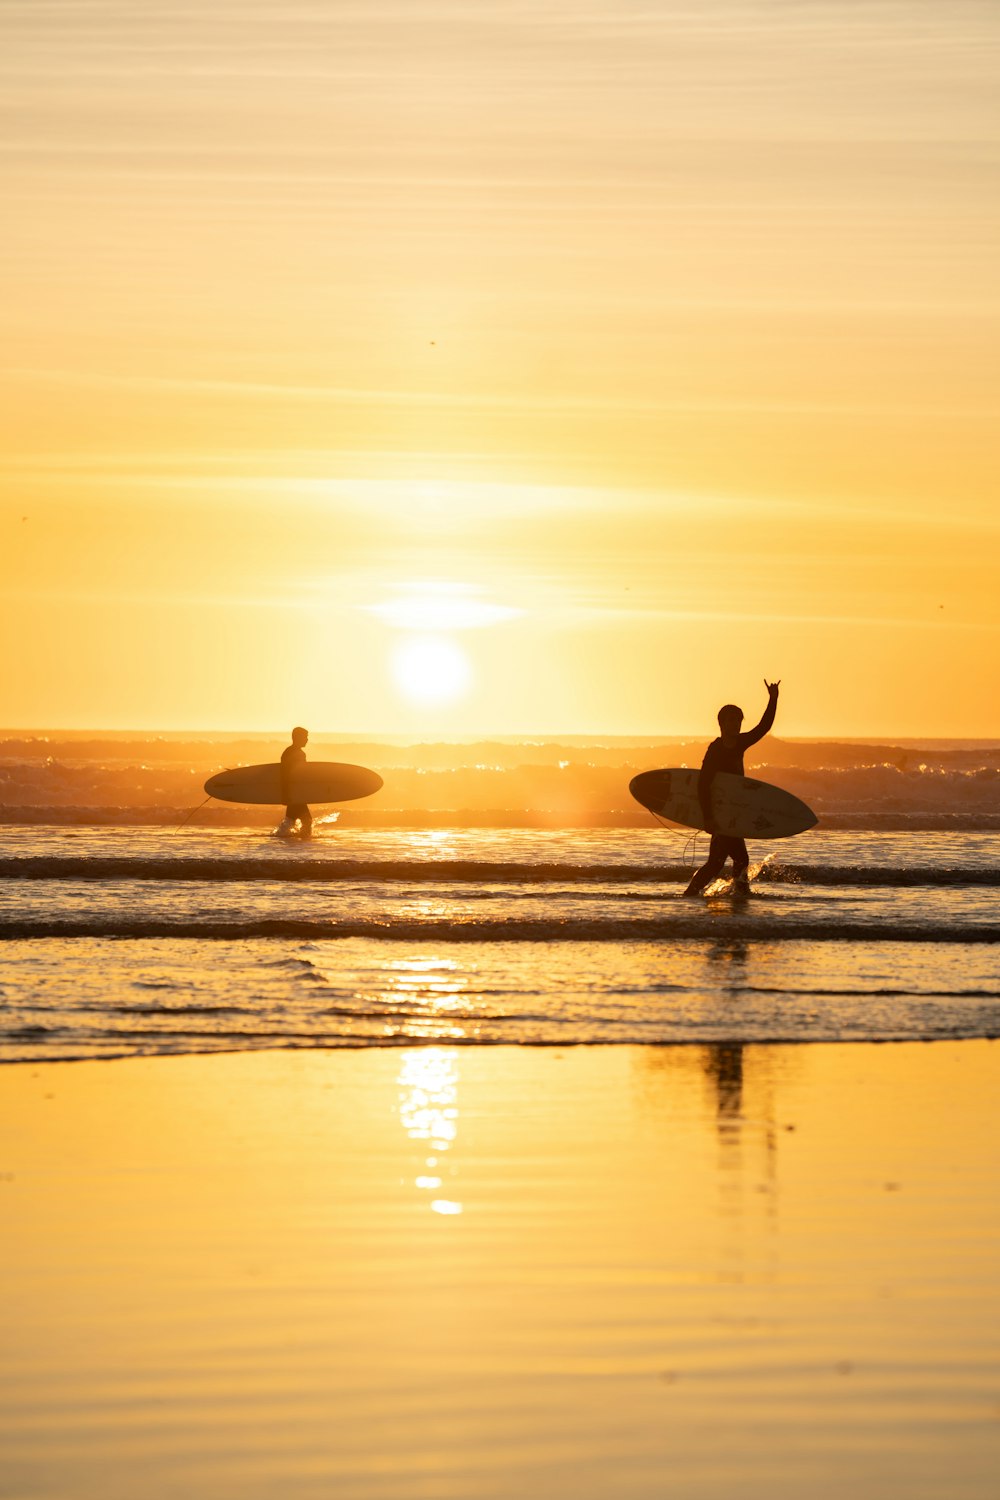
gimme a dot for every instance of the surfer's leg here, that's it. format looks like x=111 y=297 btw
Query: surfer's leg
x=741 y=865
x=298 y=812
x=711 y=868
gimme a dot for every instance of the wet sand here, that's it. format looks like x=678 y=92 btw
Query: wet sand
x=492 y=1272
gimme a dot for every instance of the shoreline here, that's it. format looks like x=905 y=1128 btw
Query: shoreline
x=472 y=1044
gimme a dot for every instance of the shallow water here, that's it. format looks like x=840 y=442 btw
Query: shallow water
x=588 y=846
x=121 y=942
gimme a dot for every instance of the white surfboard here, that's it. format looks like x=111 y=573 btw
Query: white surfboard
x=316 y=781
x=741 y=807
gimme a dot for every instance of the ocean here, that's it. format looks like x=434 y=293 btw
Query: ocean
x=551 y=915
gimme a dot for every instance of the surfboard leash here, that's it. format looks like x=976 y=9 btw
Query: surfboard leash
x=690 y=843
x=191 y=814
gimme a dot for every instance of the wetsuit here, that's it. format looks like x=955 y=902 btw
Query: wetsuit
x=722 y=757
x=291 y=760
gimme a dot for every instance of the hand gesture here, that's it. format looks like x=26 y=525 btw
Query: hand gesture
x=772 y=687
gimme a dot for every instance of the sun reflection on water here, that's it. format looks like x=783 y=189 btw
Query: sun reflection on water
x=428 y=1112
x=422 y=992
x=431 y=841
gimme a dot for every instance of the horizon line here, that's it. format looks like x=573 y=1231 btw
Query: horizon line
x=521 y=737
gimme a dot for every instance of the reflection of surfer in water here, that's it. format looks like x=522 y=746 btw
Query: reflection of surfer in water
x=292 y=760
x=726 y=754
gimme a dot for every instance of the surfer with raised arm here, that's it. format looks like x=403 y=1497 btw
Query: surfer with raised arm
x=292 y=760
x=726 y=754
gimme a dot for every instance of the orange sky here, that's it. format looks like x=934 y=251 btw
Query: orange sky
x=463 y=368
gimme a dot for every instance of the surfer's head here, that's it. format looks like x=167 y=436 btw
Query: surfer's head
x=300 y=736
x=730 y=718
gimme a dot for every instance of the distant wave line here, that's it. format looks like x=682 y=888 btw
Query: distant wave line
x=291 y=869
x=541 y=930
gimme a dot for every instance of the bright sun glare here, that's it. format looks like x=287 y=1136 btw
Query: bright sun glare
x=429 y=666
x=430 y=669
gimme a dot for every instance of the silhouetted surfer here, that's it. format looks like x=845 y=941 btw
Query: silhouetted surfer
x=726 y=754
x=292 y=760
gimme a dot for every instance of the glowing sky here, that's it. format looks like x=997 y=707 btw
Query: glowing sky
x=621 y=354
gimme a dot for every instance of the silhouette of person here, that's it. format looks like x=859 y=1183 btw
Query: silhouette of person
x=726 y=754
x=292 y=760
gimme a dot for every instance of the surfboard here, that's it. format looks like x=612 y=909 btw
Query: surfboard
x=741 y=808
x=316 y=781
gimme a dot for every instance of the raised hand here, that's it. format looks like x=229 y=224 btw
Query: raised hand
x=772 y=687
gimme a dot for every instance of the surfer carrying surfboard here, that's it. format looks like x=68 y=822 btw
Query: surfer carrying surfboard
x=726 y=754
x=292 y=760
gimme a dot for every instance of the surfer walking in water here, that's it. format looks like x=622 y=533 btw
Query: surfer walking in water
x=726 y=754
x=292 y=760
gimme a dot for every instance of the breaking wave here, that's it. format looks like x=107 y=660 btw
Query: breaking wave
x=128 y=780
x=466 y=871
x=759 y=928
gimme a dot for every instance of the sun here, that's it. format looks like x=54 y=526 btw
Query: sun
x=430 y=669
